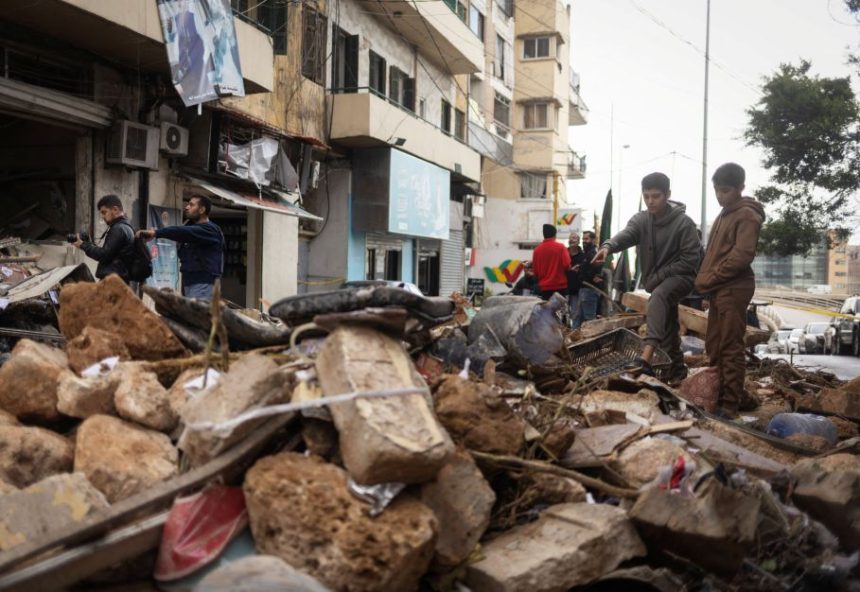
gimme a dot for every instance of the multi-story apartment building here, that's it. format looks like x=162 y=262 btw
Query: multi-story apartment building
x=837 y=267
x=525 y=100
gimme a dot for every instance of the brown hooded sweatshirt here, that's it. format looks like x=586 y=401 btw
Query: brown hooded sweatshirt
x=731 y=246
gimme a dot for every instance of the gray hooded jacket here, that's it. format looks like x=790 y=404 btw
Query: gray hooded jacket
x=665 y=247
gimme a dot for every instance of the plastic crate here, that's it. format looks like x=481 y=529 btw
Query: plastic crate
x=608 y=354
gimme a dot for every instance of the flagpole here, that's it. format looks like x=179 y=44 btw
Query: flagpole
x=705 y=126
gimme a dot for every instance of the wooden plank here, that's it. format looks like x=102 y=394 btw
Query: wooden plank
x=226 y=467
x=79 y=563
x=693 y=320
x=600 y=326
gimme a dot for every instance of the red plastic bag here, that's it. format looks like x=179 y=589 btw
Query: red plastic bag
x=703 y=388
x=197 y=530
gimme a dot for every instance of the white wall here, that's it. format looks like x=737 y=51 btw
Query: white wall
x=280 y=256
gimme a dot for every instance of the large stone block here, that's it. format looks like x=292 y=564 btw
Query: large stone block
x=28 y=381
x=253 y=381
x=82 y=396
x=122 y=459
x=641 y=462
x=111 y=306
x=47 y=507
x=94 y=345
x=140 y=398
x=828 y=489
x=462 y=501
x=301 y=511
x=569 y=545
x=477 y=418
x=259 y=573
x=29 y=454
x=391 y=439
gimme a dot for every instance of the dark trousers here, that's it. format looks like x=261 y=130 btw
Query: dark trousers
x=662 y=316
x=724 y=342
x=547 y=294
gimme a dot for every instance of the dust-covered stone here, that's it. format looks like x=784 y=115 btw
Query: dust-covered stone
x=94 y=345
x=29 y=454
x=28 y=381
x=85 y=396
x=140 y=398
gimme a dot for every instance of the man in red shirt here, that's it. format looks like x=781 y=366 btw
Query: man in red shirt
x=550 y=263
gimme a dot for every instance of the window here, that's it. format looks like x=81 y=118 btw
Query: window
x=422 y=108
x=500 y=57
x=533 y=186
x=392 y=264
x=313 y=45
x=839 y=262
x=841 y=274
x=240 y=6
x=506 y=6
x=344 y=63
x=476 y=22
x=461 y=11
x=377 y=73
x=401 y=88
x=273 y=16
x=370 y=265
x=446 y=117
x=536 y=47
x=460 y=124
x=536 y=116
x=502 y=114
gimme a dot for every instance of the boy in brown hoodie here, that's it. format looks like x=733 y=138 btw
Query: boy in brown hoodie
x=726 y=278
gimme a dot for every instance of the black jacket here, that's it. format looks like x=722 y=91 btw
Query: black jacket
x=574 y=278
x=115 y=252
x=201 y=250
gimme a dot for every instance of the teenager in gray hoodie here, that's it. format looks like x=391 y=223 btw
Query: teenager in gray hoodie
x=669 y=253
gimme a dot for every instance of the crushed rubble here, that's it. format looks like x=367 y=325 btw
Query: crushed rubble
x=386 y=441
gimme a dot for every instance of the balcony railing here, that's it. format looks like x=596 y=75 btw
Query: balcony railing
x=578 y=108
x=575 y=166
x=490 y=145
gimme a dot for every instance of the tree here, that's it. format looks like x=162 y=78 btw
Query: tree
x=809 y=130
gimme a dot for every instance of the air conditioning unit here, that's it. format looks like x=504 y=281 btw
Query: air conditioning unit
x=133 y=145
x=174 y=139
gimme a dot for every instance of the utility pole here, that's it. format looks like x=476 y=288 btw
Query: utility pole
x=705 y=126
x=555 y=176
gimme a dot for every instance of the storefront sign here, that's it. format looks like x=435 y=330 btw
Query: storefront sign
x=475 y=287
x=569 y=220
x=200 y=39
x=419 y=195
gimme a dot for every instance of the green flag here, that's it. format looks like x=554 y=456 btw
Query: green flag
x=606 y=222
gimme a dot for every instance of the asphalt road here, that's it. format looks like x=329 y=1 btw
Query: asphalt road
x=844 y=367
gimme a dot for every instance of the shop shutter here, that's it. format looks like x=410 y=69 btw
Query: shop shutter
x=452 y=265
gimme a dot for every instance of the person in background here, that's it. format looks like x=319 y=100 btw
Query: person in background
x=527 y=284
x=592 y=273
x=727 y=280
x=669 y=251
x=201 y=248
x=116 y=250
x=574 y=281
x=550 y=263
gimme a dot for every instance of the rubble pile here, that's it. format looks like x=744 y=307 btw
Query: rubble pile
x=384 y=441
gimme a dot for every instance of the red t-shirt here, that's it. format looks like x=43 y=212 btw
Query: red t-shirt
x=550 y=263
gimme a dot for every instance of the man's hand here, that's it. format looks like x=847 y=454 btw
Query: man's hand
x=78 y=243
x=597 y=280
x=575 y=268
x=146 y=233
x=601 y=255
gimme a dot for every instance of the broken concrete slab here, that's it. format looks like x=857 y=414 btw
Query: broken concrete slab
x=252 y=381
x=28 y=381
x=122 y=459
x=644 y=404
x=390 y=439
x=139 y=397
x=189 y=386
x=111 y=306
x=94 y=345
x=477 y=418
x=83 y=397
x=48 y=506
x=258 y=573
x=716 y=528
x=569 y=545
x=29 y=454
x=549 y=489
x=592 y=445
x=828 y=489
x=462 y=500
x=838 y=401
x=7 y=418
x=641 y=462
x=301 y=510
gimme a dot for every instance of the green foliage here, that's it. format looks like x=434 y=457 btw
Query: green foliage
x=809 y=130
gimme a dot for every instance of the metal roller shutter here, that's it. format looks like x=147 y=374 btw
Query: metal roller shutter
x=452 y=264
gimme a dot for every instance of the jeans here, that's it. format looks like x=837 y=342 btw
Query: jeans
x=589 y=300
x=573 y=307
x=199 y=291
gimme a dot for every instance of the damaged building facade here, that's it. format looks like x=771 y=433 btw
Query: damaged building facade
x=88 y=109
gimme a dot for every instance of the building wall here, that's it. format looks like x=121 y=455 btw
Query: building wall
x=837 y=268
x=279 y=261
x=794 y=272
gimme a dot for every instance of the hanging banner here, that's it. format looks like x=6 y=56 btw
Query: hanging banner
x=202 y=49
x=569 y=220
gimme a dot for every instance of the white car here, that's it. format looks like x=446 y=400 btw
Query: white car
x=794 y=340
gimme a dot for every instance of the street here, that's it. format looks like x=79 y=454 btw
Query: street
x=844 y=367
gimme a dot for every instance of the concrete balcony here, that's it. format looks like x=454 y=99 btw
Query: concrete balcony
x=575 y=166
x=578 y=111
x=364 y=120
x=129 y=32
x=490 y=144
x=435 y=30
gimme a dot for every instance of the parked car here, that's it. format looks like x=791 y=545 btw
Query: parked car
x=813 y=338
x=778 y=342
x=794 y=340
x=820 y=289
x=848 y=327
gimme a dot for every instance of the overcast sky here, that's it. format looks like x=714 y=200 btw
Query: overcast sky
x=643 y=60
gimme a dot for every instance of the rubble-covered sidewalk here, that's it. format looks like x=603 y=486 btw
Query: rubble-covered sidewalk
x=372 y=439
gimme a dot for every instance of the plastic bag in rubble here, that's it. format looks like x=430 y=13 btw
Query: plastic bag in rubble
x=690 y=344
x=198 y=528
x=455 y=349
x=702 y=388
x=378 y=496
x=528 y=328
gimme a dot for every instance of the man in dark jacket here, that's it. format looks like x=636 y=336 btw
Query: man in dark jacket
x=116 y=250
x=574 y=282
x=589 y=299
x=668 y=248
x=727 y=280
x=201 y=248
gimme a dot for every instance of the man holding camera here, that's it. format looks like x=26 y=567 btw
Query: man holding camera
x=116 y=250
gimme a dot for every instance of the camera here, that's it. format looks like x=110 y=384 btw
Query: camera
x=85 y=236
